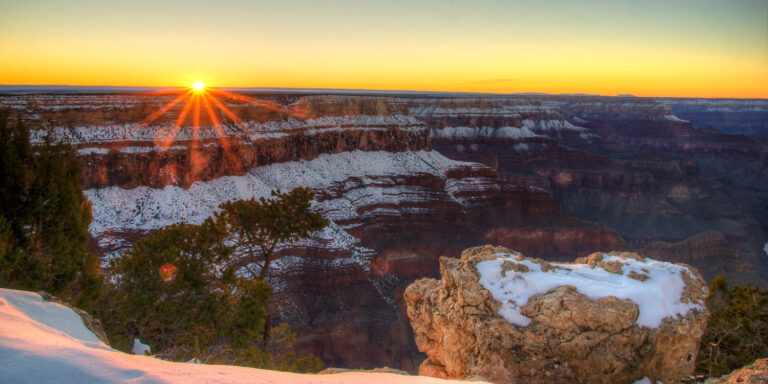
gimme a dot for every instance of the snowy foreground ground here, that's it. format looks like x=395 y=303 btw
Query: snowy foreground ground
x=43 y=342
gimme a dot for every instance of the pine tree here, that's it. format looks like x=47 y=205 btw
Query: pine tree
x=45 y=218
x=256 y=227
x=15 y=172
x=174 y=291
x=182 y=289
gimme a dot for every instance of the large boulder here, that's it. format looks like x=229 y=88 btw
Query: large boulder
x=606 y=318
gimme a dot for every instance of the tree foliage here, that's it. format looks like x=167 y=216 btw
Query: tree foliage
x=170 y=291
x=737 y=333
x=44 y=218
x=184 y=290
x=256 y=227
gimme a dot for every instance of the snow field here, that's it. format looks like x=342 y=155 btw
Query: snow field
x=44 y=342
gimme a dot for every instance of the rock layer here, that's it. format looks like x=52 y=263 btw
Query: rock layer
x=395 y=206
x=570 y=339
x=628 y=164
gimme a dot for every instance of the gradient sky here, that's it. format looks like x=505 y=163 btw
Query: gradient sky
x=706 y=48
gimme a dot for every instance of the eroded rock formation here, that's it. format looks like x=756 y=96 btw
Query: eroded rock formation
x=566 y=334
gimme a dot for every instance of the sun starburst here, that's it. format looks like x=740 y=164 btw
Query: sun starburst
x=199 y=99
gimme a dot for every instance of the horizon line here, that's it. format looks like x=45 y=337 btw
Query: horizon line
x=30 y=89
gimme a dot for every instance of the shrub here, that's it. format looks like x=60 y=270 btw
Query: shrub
x=737 y=333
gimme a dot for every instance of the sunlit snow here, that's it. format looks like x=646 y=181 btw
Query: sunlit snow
x=657 y=298
x=44 y=342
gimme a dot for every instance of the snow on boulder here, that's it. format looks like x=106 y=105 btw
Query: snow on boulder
x=606 y=318
x=46 y=342
x=655 y=287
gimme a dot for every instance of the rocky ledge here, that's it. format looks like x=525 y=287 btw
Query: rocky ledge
x=605 y=318
x=754 y=373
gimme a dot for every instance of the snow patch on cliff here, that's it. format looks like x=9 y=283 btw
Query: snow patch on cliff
x=92 y=150
x=675 y=119
x=551 y=125
x=475 y=132
x=252 y=130
x=528 y=130
x=657 y=297
x=145 y=208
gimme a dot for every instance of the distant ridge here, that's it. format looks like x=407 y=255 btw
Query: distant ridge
x=101 y=89
x=64 y=89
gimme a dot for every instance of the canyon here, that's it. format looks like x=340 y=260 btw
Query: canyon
x=406 y=179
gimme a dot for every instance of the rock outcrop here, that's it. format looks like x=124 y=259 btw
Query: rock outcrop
x=606 y=318
x=755 y=373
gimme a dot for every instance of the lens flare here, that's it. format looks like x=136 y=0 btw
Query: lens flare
x=198 y=86
x=168 y=272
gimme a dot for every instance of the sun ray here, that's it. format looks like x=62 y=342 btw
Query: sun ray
x=196 y=118
x=227 y=112
x=228 y=153
x=195 y=99
x=251 y=100
x=182 y=116
x=259 y=102
x=197 y=159
x=164 y=109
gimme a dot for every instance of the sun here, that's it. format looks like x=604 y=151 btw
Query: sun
x=198 y=86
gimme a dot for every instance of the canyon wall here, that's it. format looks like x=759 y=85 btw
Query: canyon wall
x=407 y=180
x=395 y=205
x=736 y=116
x=628 y=164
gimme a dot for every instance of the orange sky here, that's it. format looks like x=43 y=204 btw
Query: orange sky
x=703 y=48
